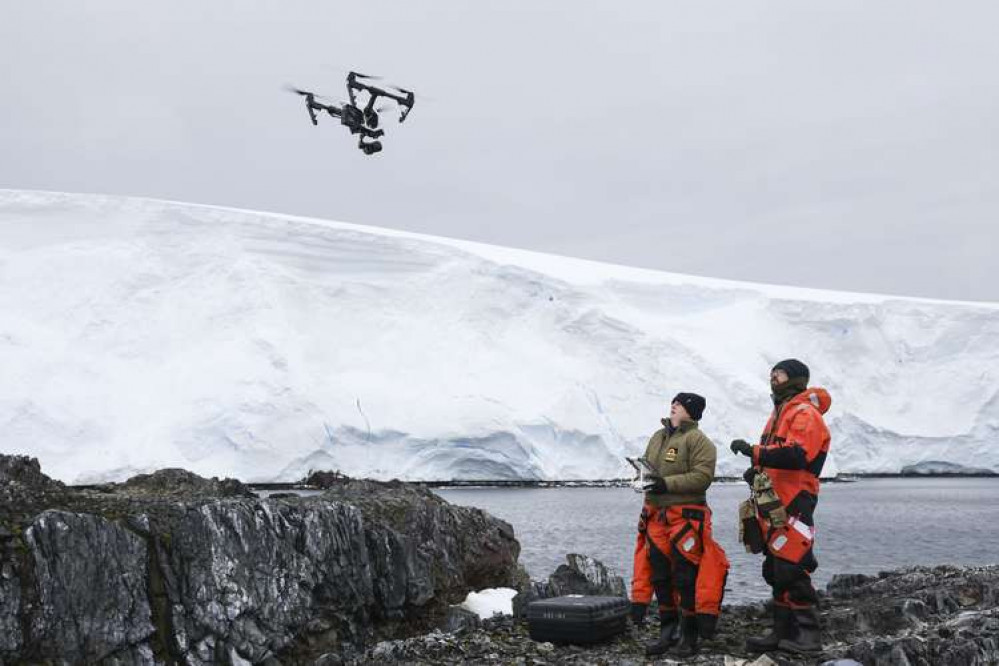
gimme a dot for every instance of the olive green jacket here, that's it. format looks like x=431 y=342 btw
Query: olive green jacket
x=686 y=460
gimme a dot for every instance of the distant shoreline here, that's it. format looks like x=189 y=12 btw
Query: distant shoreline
x=917 y=475
x=620 y=483
x=578 y=483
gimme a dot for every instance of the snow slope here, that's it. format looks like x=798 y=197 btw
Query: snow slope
x=140 y=334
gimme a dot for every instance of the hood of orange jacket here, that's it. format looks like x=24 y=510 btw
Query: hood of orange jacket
x=816 y=395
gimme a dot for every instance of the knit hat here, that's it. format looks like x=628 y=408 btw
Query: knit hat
x=693 y=403
x=793 y=367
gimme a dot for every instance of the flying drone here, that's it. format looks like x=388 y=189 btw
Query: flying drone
x=362 y=121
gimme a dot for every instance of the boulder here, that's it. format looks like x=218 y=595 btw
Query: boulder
x=180 y=483
x=460 y=619
x=580 y=575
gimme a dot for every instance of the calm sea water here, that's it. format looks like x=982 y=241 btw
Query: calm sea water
x=863 y=527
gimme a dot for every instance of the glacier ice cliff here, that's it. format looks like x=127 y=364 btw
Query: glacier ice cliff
x=138 y=335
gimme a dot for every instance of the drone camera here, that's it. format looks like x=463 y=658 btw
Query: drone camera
x=372 y=148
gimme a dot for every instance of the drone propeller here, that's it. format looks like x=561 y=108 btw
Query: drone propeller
x=358 y=75
x=305 y=93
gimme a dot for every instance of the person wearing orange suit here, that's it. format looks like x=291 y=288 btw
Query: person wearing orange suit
x=792 y=450
x=675 y=555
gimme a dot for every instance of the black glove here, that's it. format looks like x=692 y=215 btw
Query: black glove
x=749 y=475
x=742 y=446
x=656 y=485
x=638 y=611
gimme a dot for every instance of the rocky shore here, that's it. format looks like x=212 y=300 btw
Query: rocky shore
x=922 y=616
x=171 y=568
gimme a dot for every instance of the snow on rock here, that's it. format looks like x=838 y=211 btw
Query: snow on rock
x=486 y=603
x=137 y=335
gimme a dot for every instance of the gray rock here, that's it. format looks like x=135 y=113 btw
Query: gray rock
x=26 y=473
x=762 y=660
x=252 y=573
x=580 y=575
x=89 y=593
x=460 y=619
x=172 y=568
x=10 y=605
x=585 y=575
x=846 y=584
x=180 y=483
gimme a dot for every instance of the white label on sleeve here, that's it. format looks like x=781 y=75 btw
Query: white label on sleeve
x=805 y=530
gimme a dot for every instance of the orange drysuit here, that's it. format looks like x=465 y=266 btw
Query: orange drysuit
x=792 y=450
x=677 y=558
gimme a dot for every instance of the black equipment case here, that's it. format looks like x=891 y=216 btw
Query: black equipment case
x=577 y=618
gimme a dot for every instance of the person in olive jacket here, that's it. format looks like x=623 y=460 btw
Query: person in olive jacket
x=675 y=527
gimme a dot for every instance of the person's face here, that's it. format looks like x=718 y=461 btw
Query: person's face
x=777 y=377
x=677 y=413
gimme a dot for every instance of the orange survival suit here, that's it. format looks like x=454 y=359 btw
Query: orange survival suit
x=675 y=554
x=677 y=558
x=792 y=451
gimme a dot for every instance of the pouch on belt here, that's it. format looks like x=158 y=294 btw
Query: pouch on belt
x=768 y=501
x=793 y=541
x=750 y=532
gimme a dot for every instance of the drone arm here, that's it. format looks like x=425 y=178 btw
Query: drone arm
x=352 y=86
x=404 y=101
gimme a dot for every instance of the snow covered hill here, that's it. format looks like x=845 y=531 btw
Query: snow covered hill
x=140 y=334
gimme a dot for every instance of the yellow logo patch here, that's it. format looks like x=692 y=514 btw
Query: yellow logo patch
x=670 y=455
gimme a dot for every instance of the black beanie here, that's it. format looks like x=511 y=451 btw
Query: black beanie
x=693 y=403
x=793 y=367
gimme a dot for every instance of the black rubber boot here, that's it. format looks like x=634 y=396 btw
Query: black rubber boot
x=688 y=636
x=809 y=634
x=669 y=634
x=638 y=611
x=784 y=628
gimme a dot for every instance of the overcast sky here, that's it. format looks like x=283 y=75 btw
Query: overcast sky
x=849 y=145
